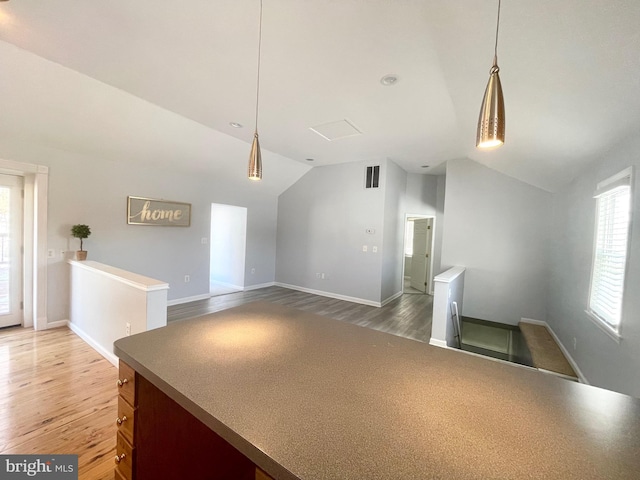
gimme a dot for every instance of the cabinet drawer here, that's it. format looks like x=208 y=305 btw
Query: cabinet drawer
x=260 y=475
x=118 y=475
x=126 y=419
x=127 y=383
x=125 y=460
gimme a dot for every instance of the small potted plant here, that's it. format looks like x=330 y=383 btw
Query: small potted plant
x=81 y=232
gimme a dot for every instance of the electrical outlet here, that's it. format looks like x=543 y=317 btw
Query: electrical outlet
x=187 y=279
x=253 y=271
x=51 y=253
x=374 y=249
x=364 y=248
x=128 y=329
x=322 y=276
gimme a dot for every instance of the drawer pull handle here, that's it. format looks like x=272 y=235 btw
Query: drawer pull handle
x=120 y=458
x=120 y=421
x=122 y=382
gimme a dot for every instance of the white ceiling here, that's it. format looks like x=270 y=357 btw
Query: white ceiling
x=570 y=70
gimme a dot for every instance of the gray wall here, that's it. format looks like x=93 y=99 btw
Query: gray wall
x=498 y=229
x=89 y=190
x=322 y=222
x=603 y=362
x=395 y=187
x=425 y=196
x=440 y=194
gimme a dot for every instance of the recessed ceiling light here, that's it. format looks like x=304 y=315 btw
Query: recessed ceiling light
x=389 y=80
x=309 y=159
x=235 y=124
x=424 y=166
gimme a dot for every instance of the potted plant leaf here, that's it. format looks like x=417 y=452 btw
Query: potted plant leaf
x=81 y=232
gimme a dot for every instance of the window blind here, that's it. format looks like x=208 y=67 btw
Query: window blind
x=610 y=255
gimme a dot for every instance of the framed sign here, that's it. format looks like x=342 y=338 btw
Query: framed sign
x=148 y=211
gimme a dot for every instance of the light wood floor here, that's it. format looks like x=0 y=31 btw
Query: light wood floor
x=408 y=316
x=58 y=395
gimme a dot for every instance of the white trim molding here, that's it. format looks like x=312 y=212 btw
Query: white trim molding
x=36 y=182
x=248 y=288
x=195 y=298
x=391 y=298
x=93 y=344
x=337 y=296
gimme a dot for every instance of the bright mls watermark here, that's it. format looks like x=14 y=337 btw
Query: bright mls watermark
x=51 y=467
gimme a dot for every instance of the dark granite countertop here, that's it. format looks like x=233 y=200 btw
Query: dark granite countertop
x=307 y=397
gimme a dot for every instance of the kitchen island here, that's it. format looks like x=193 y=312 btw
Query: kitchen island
x=302 y=396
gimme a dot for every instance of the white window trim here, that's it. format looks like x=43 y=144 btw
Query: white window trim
x=607 y=184
x=604 y=326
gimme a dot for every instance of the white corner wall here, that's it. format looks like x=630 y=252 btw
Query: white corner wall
x=322 y=223
x=498 y=229
x=604 y=362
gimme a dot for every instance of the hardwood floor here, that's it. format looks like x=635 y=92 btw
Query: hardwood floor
x=58 y=395
x=408 y=316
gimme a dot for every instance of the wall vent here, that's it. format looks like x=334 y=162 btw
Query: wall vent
x=372 y=177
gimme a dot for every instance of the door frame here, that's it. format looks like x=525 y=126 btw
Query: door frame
x=407 y=216
x=34 y=279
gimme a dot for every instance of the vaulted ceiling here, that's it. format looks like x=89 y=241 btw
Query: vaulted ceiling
x=570 y=71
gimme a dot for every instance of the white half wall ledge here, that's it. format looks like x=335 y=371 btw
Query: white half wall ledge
x=448 y=288
x=134 y=280
x=107 y=303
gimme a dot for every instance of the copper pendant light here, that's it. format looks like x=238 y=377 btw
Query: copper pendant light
x=255 y=157
x=491 y=124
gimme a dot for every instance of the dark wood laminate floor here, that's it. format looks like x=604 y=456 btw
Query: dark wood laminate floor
x=408 y=316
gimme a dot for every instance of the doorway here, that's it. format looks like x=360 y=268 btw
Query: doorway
x=418 y=254
x=11 y=247
x=228 y=248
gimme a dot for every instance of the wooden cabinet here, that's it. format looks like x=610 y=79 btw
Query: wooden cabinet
x=157 y=438
x=126 y=420
x=260 y=475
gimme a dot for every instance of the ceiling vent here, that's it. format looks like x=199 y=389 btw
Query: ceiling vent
x=372 y=177
x=335 y=130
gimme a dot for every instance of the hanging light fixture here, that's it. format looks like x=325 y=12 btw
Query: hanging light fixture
x=255 y=157
x=491 y=122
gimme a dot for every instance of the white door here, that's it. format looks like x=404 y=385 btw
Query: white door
x=420 y=258
x=10 y=250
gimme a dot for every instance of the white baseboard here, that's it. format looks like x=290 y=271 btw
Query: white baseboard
x=178 y=301
x=337 y=296
x=564 y=350
x=258 y=286
x=227 y=285
x=58 y=324
x=95 y=345
x=438 y=343
x=391 y=298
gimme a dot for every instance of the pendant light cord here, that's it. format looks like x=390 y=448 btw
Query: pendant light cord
x=495 y=49
x=259 y=51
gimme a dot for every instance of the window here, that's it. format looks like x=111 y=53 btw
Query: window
x=613 y=209
x=408 y=238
